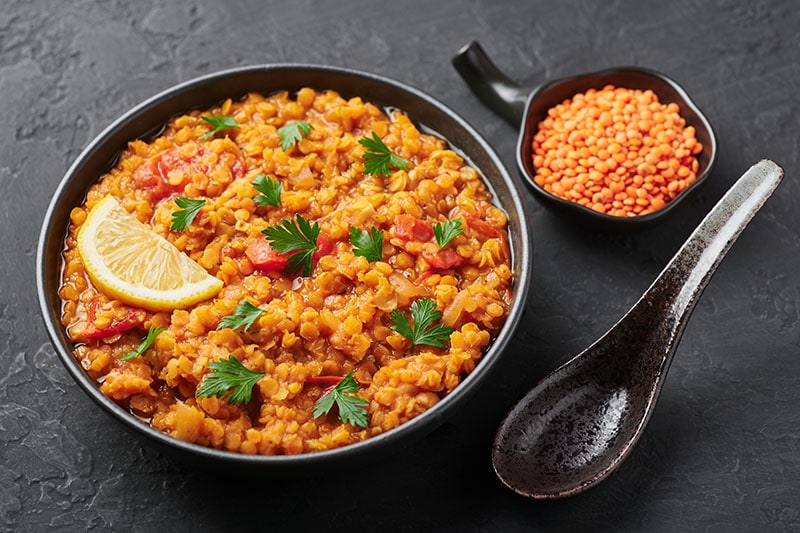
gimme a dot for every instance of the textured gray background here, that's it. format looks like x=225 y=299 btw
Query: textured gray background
x=722 y=452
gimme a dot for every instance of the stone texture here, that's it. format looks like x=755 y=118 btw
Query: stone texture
x=722 y=452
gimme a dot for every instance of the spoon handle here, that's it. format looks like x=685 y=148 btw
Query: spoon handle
x=689 y=271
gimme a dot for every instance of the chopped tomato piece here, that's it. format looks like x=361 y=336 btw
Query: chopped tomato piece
x=263 y=256
x=488 y=230
x=324 y=381
x=443 y=259
x=329 y=382
x=238 y=169
x=422 y=277
x=171 y=160
x=325 y=247
x=133 y=318
x=411 y=228
x=482 y=227
x=154 y=174
x=147 y=177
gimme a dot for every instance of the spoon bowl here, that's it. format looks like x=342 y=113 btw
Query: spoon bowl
x=578 y=424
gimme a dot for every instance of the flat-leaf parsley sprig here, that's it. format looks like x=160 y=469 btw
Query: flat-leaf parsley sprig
x=447 y=231
x=229 y=375
x=367 y=244
x=352 y=408
x=219 y=123
x=424 y=331
x=152 y=333
x=379 y=158
x=243 y=316
x=291 y=133
x=183 y=218
x=298 y=238
x=270 y=190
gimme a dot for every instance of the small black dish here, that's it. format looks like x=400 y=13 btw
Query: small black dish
x=525 y=107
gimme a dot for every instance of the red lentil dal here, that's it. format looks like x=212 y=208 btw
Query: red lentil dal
x=315 y=329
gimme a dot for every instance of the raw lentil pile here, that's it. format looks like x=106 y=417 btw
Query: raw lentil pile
x=617 y=151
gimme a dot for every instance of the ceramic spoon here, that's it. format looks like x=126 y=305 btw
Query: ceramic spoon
x=580 y=422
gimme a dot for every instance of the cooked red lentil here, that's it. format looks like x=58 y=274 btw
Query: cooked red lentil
x=313 y=330
x=617 y=151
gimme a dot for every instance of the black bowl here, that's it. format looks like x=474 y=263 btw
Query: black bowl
x=525 y=107
x=148 y=118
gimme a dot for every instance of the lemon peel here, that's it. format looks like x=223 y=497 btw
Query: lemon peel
x=127 y=260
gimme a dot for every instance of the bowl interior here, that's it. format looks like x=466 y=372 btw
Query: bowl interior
x=668 y=91
x=148 y=118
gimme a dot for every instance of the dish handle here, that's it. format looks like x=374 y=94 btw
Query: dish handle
x=500 y=94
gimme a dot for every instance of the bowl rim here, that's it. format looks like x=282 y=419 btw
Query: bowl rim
x=583 y=211
x=521 y=264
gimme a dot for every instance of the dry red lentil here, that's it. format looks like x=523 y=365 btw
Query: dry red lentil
x=615 y=150
x=313 y=330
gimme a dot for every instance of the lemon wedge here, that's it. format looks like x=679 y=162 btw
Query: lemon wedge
x=129 y=261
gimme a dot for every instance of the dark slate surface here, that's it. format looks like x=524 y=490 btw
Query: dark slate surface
x=722 y=452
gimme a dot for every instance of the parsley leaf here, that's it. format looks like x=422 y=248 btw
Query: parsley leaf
x=270 y=190
x=367 y=244
x=424 y=313
x=219 y=123
x=447 y=232
x=352 y=409
x=144 y=345
x=291 y=133
x=182 y=218
x=244 y=315
x=229 y=375
x=299 y=237
x=379 y=158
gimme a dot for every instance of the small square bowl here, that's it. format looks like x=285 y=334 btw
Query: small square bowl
x=526 y=107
